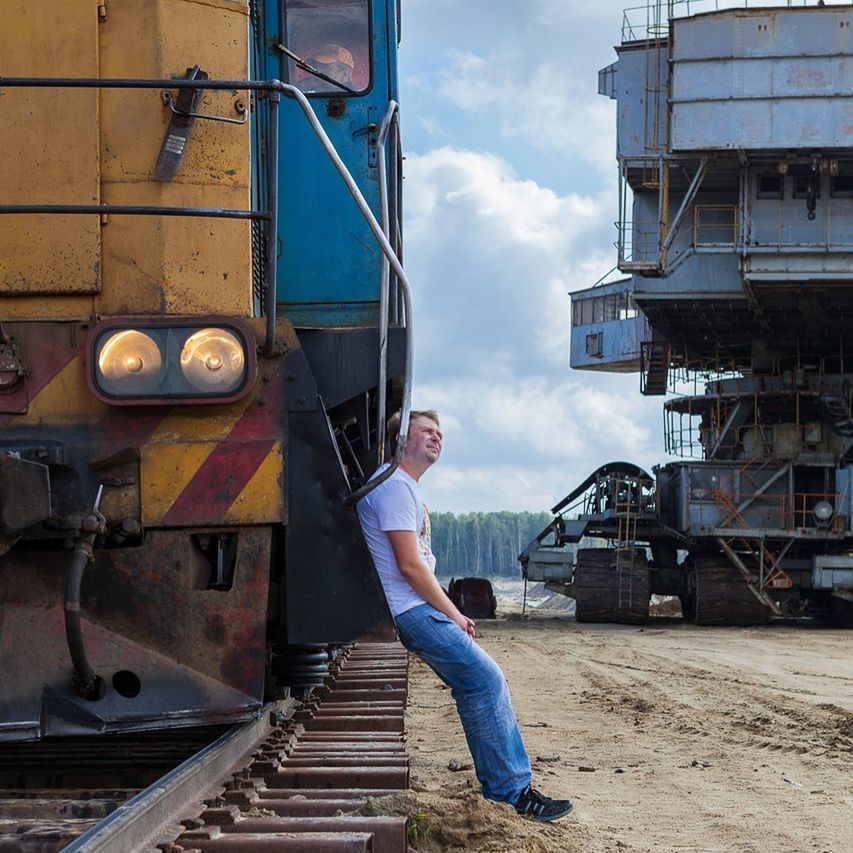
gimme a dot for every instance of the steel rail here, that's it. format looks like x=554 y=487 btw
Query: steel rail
x=139 y=821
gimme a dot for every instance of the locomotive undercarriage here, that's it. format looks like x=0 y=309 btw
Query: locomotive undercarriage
x=182 y=614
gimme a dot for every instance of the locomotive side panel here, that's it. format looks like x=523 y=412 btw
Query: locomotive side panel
x=49 y=151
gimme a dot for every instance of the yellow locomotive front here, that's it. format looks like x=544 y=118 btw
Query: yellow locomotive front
x=135 y=409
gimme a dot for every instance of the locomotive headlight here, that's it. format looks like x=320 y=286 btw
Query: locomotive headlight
x=212 y=361
x=129 y=362
x=158 y=361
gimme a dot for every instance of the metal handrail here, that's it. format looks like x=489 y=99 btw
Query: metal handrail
x=394 y=261
x=730 y=226
x=273 y=87
x=637 y=238
x=658 y=13
x=384 y=287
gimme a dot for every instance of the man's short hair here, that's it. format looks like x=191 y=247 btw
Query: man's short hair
x=394 y=423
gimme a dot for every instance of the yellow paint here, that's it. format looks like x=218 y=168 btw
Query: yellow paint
x=87 y=146
x=66 y=397
x=166 y=470
x=49 y=149
x=262 y=499
x=78 y=308
x=203 y=423
x=174 y=265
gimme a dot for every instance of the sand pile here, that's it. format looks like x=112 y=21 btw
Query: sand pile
x=456 y=819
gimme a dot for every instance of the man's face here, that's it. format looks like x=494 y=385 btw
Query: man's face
x=424 y=442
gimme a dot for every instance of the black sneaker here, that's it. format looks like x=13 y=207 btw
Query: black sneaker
x=531 y=803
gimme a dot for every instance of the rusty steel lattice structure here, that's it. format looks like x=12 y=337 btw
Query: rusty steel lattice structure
x=734 y=238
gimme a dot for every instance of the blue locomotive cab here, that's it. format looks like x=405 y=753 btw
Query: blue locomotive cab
x=342 y=55
x=331 y=280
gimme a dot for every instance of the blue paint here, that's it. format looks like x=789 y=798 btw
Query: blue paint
x=329 y=262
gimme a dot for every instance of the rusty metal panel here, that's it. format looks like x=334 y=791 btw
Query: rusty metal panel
x=287 y=842
x=389 y=833
x=24 y=493
x=763 y=78
x=170 y=650
x=639 y=69
x=226 y=468
x=211 y=483
x=49 y=149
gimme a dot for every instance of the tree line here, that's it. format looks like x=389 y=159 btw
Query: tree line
x=483 y=544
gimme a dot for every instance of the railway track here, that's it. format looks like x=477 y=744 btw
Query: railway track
x=288 y=781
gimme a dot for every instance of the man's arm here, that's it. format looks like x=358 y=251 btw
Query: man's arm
x=404 y=543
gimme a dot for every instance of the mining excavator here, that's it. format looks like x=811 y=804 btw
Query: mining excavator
x=735 y=241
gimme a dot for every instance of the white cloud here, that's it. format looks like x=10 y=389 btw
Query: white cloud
x=537 y=102
x=522 y=443
x=433 y=128
x=558 y=422
x=565 y=14
x=492 y=258
x=492 y=253
x=461 y=489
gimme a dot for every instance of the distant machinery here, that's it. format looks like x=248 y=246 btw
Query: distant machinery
x=473 y=596
x=735 y=231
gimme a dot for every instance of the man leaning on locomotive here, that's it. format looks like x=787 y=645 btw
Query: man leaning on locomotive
x=396 y=526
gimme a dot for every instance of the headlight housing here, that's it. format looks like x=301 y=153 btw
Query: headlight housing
x=168 y=360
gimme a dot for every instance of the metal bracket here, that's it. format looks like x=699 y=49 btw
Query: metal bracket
x=239 y=107
x=371 y=130
x=178 y=134
x=11 y=367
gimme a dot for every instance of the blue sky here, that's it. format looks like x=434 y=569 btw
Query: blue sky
x=510 y=200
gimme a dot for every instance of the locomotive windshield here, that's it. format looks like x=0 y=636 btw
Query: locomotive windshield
x=332 y=37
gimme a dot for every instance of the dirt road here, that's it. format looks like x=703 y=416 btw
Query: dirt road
x=668 y=738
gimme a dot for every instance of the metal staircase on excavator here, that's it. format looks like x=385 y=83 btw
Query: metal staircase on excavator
x=654 y=372
x=770 y=575
x=626 y=508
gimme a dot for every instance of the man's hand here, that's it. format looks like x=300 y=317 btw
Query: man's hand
x=405 y=546
x=466 y=624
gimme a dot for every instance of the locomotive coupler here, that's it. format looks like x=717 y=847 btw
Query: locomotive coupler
x=85 y=682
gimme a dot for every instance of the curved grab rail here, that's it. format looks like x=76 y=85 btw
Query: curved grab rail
x=391 y=260
x=384 y=287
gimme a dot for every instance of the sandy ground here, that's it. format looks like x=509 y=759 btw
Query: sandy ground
x=668 y=738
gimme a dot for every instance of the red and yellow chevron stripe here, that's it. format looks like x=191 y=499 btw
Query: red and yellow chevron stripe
x=203 y=465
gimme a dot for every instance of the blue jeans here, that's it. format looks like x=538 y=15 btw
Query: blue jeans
x=482 y=699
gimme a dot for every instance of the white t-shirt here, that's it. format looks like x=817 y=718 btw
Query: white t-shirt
x=395 y=505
